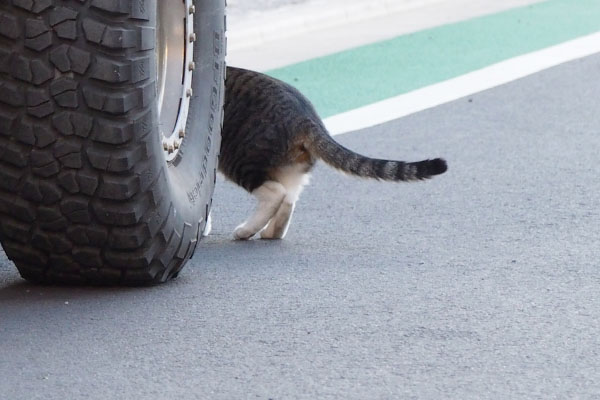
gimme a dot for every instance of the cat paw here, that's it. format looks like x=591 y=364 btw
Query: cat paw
x=269 y=234
x=207 y=227
x=242 y=233
x=273 y=232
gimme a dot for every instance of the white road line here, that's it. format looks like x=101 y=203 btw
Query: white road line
x=453 y=89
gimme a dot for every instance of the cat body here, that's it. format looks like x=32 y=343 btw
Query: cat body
x=271 y=139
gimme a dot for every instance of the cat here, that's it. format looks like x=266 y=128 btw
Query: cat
x=272 y=138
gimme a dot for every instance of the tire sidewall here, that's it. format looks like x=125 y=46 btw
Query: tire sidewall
x=192 y=174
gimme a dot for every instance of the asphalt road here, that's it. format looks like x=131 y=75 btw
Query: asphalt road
x=482 y=283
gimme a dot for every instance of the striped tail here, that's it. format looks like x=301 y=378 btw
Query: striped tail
x=323 y=146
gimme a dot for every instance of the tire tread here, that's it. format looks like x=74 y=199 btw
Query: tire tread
x=81 y=192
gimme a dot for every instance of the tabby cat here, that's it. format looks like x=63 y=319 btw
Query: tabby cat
x=271 y=139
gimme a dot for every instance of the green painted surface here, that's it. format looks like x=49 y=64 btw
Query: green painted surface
x=361 y=76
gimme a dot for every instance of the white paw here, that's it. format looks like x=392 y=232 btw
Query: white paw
x=207 y=227
x=272 y=234
x=243 y=233
x=267 y=234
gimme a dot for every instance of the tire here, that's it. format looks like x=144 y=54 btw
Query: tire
x=88 y=194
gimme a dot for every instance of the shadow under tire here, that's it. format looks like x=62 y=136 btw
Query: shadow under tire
x=88 y=194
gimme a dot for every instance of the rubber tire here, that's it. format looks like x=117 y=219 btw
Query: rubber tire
x=86 y=196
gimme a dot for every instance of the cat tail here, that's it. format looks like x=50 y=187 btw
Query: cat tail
x=321 y=145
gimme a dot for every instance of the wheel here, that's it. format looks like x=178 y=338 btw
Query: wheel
x=110 y=123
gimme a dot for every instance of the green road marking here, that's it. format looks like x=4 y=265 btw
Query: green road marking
x=367 y=74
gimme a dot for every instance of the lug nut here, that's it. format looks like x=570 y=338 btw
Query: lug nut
x=189 y=92
x=181 y=134
x=192 y=37
x=192 y=66
x=192 y=9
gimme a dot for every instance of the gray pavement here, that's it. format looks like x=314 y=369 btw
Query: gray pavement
x=241 y=7
x=482 y=283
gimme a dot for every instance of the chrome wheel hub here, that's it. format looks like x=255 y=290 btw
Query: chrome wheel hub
x=175 y=43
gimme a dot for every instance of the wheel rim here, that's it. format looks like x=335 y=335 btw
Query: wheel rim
x=175 y=39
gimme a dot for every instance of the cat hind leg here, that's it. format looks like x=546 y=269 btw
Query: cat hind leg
x=278 y=226
x=294 y=182
x=270 y=195
x=208 y=226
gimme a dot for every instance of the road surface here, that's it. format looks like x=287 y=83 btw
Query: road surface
x=479 y=284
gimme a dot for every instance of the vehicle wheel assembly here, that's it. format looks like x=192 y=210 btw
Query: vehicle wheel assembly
x=110 y=122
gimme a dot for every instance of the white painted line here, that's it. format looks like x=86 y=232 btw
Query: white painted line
x=456 y=88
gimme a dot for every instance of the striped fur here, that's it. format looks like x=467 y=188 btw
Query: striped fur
x=321 y=145
x=271 y=139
